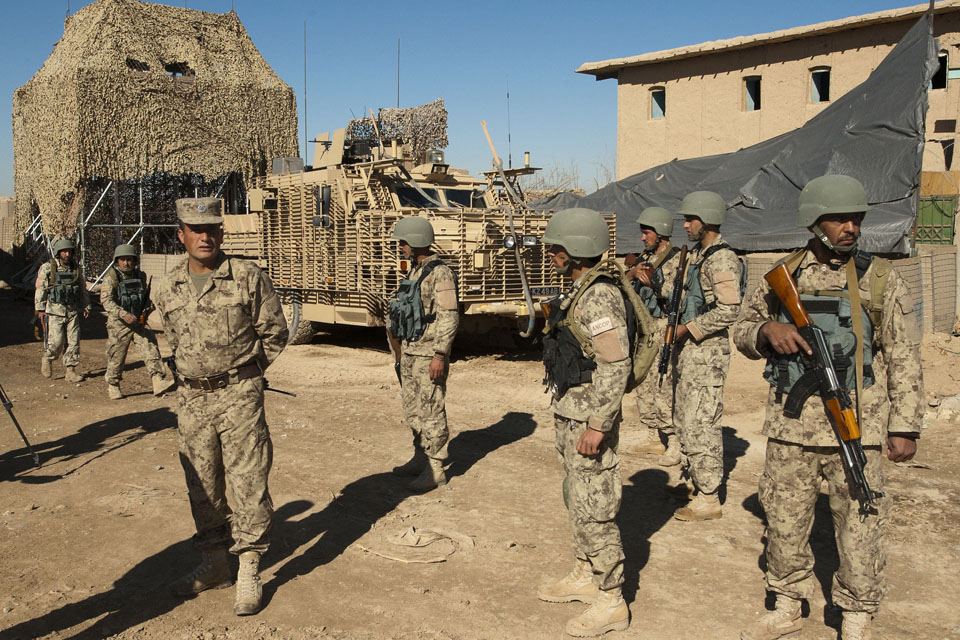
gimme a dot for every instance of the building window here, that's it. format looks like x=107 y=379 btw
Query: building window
x=179 y=69
x=658 y=102
x=751 y=93
x=939 y=79
x=820 y=85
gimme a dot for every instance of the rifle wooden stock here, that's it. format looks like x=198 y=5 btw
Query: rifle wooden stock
x=783 y=285
x=845 y=420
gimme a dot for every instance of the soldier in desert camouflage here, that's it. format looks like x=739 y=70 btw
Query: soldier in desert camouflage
x=424 y=315
x=803 y=452
x=125 y=297
x=61 y=299
x=711 y=303
x=225 y=326
x=586 y=397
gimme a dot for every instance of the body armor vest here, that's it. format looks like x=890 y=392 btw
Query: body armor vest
x=565 y=363
x=650 y=294
x=694 y=300
x=407 y=318
x=130 y=293
x=63 y=286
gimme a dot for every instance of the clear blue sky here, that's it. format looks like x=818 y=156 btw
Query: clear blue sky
x=469 y=54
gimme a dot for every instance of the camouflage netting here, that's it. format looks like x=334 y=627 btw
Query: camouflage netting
x=423 y=127
x=135 y=89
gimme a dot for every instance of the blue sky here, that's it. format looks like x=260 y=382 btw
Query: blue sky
x=469 y=54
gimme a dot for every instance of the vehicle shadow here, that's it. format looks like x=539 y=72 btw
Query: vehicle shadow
x=364 y=501
x=99 y=438
x=645 y=508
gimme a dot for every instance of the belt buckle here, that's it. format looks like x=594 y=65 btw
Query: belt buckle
x=205 y=385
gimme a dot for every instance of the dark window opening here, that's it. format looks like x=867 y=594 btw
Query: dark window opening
x=410 y=197
x=136 y=65
x=820 y=85
x=658 y=102
x=179 y=69
x=465 y=198
x=751 y=93
x=939 y=79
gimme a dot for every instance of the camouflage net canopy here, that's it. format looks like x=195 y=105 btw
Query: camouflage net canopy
x=135 y=89
x=423 y=127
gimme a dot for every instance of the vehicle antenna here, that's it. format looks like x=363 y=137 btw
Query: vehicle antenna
x=398 y=73
x=509 y=148
x=305 y=152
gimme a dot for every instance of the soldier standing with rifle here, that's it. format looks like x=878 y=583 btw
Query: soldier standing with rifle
x=61 y=298
x=125 y=296
x=424 y=316
x=874 y=355
x=655 y=272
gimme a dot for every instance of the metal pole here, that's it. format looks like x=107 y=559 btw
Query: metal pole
x=141 y=217
x=306 y=152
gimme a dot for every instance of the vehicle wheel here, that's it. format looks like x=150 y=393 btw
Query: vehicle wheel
x=301 y=331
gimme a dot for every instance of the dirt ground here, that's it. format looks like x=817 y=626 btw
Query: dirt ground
x=91 y=539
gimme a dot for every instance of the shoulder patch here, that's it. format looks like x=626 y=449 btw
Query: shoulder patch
x=599 y=326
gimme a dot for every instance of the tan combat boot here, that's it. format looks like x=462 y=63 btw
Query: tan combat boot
x=213 y=572
x=46 y=369
x=702 y=507
x=671 y=456
x=414 y=466
x=162 y=384
x=607 y=613
x=113 y=391
x=249 y=589
x=784 y=619
x=651 y=445
x=431 y=477
x=577 y=586
x=856 y=626
x=72 y=375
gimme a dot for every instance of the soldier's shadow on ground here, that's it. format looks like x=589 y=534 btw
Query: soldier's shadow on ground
x=364 y=501
x=60 y=458
x=645 y=508
x=734 y=448
x=826 y=559
x=140 y=595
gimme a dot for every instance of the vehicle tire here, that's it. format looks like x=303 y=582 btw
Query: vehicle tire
x=301 y=331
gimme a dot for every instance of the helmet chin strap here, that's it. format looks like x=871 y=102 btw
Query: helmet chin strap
x=839 y=250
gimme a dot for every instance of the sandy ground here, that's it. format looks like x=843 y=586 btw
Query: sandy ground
x=91 y=539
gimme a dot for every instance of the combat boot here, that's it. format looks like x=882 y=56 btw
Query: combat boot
x=72 y=375
x=249 y=589
x=414 y=466
x=431 y=477
x=671 y=456
x=213 y=572
x=162 y=384
x=856 y=626
x=113 y=390
x=651 y=445
x=46 y=369
x=703 y=507
x=577 y=586
x=607 y=613
x=784 y=619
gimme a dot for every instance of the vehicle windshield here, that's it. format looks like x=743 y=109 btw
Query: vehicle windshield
x=410 y=197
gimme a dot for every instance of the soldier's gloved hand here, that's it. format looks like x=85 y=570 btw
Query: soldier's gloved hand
x=129 y=318
x=589 y=443
x=900 y=448
x=782 y=337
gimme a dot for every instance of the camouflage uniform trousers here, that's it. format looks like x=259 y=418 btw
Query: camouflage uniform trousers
x=224 y=442
x=592 y=490
x=424 y=409
x=64 y=331
x=119 y=337
x=789 y=489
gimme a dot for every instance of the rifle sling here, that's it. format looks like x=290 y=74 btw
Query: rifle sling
x=853 y=288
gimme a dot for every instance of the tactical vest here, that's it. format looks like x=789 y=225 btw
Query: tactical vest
x=830 y=311
x=650 y=294
x=407 y=318
x=130 y=293
x=694 y=300
x=63 y=287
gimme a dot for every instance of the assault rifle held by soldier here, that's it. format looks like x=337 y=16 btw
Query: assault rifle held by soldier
x=8 y=405
x=147 y=310
x=673 y=316
x=821 y=376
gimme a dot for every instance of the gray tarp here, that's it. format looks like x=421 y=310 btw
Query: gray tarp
x=875 y=133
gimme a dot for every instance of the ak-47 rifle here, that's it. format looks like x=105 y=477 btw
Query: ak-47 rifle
x=395 y=348
x=145 y=312
x=8 y=405
x=673 y=316
x=824 y=379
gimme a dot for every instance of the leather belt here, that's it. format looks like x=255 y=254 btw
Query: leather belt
x=221 y=380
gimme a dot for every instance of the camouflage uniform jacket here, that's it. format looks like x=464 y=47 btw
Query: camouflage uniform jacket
x=40 y=301
x=599 y=313
x=668 y=269
x=892 y=404
x=720 y=280
x=236 y=319
x=438 y=292
x=110 y=283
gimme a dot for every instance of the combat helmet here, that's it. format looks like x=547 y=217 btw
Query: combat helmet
x=61 y=244
x=706 y=205
x=658 y=219
x=582 y=233
x=827 y=195
x=415 y=231
x=124 y=251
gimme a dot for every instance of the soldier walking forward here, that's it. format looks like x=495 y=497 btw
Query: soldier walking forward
x=125 y=297
x=424 y=316
x=710 y=306
x=225 y=325
x=587 y=393
x=654 y=275
x=802 y=452
x=61 y=298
